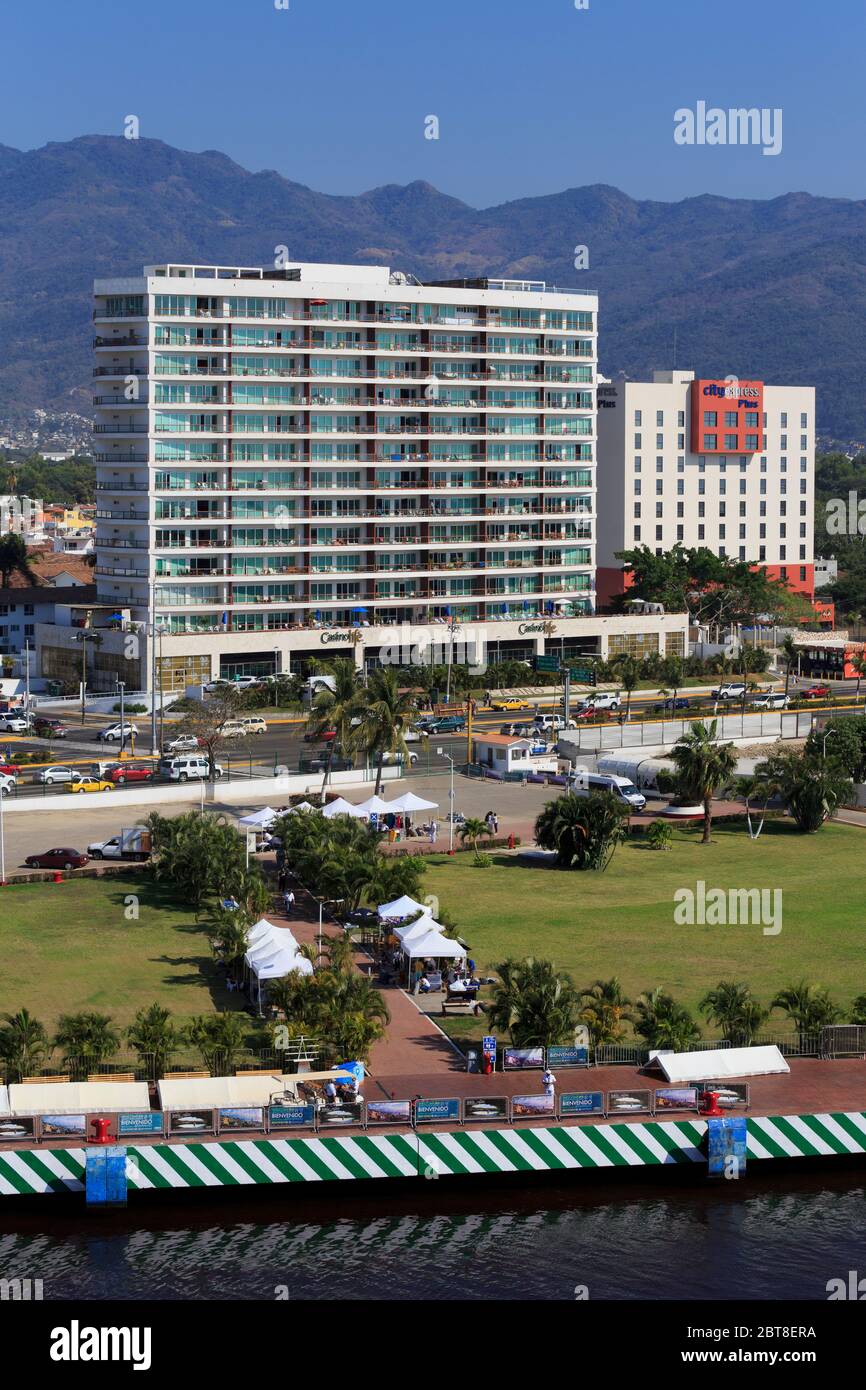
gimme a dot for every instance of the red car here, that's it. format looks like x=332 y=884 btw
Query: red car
x=57 y=859
x=126 y=772
x=10 y=768
x=52 y=726
x=326 y=735
x=816 y=692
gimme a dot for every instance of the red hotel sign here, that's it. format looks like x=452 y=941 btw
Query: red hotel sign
x=727 y=417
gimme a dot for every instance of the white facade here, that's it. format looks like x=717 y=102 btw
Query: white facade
x=653 y=490
x=292 y=460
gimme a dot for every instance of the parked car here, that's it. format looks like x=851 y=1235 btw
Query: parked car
x=7 y=783
x=732 y=690
x=14 y=723
x=90 y=784
x=815 y=692
x=10 y=769
x=672 y=704
x=49 y=775
x=772 y=700
x=57 y=859
x=115 y=732
x=49 y=727
x=190 y=767
x=222 y=684
x=131 y=844
x=390 y=759
x=183 y=743
x=507 y=703
x=130 y=772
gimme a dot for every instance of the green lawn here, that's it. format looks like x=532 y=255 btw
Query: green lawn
x=621 y=922
x=68 y=946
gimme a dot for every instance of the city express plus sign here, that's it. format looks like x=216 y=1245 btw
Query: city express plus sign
x=727 y=417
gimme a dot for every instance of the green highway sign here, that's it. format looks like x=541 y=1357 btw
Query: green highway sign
x=547 y=663
x=581 y=673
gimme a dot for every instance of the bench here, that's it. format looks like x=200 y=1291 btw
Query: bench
x=112 y=1076
x=465 y=1005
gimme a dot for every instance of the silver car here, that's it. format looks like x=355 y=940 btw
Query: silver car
x=50 y=775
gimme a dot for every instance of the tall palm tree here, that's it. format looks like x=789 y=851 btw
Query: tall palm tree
x=23 y=1042
x=730 y=1006
x=859 y=664
x=662 y=1022
x=152 y=1034
x=809 y=1007
x=605 y=1011
x=336 y=709
x=790 y=652
x=383 y=719
x=754 y=789
x=811 y=788
x=220 y=1038
x=703 y=765
x=340 y=954
x=628 y=674
x=88 y=1035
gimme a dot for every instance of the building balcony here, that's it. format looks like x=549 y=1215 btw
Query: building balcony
x=121 y=458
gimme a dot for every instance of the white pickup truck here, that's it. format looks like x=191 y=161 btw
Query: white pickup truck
x=131 y=844
x=734 y=690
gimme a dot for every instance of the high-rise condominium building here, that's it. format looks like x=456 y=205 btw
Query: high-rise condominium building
x=294 y=461
x=727 y=464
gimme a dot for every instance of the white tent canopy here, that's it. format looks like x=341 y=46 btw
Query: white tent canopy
x=278 y=964
x=217 y=1092
x=301 y=806
x=339 y=807
x=432 y=945
x=4 y=1101
x=78 y=1097
x=400 y=908
x=256 y=819
x=262 y=928
x=410 y=802
x=373 y=805
x=419 y=927
x=271 y=945
x=721 y=1063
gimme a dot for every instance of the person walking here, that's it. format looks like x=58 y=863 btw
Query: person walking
x=288 y=902
x=548 y=1081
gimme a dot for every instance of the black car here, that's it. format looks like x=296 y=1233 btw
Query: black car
x=672 y=705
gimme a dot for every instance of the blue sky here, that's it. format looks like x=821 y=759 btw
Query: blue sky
x=532 y=96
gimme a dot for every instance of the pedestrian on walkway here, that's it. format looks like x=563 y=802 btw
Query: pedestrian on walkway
x=548 y=1081
x=288 y=902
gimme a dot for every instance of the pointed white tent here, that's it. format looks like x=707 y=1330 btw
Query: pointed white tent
x=257 y=819
x=400 y=908
x=417 y=928
x=340 y=807
x=410 y=802
x=432 y=945
x=373 y=805
x=301 y=806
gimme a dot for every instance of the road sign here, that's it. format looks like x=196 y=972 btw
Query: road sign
x=584 y=674
x=547 y=663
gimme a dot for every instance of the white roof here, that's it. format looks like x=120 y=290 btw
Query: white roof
x=399 y=908
x=262 y=817
x=279 y=964
x=373 y=803
x=216 y=1092
x=261 y=929
x=410 y=802
x=724 y=1062
x=340 y=807
x=421 y=925
x=78 y=1097
x=278 y=939
x=434 y=945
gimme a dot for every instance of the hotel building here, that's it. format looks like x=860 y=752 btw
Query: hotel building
x=320 y=458
x=729 y=465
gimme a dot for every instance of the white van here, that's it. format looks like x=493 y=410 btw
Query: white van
x=240 y=728
x=589 y=782
x=192 y=767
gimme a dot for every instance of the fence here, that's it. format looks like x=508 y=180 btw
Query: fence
x=146 y=1066
x=779 y=724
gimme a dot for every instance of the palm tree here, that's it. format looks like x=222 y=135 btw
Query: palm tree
x=629 y=677
x=336 y=709
x=220 y=1038
x=790 y=652
x=535 y=1003
x=87 y=1035
x=664 y=1023
x=354 y=1015
x=730 y=1006
x=811 y=788
x=859 y=664
x=703 y=766
x=582 y=829
x=152 y=1034
x=23 y=1042
x=858 y=1010
x=605 y=1011
x=340 y=954
x=13 y=556
x=474 y=828
x=753 y=789
x=231 y=938
x=383 y=719
x=808 y=1007
x=672 y=675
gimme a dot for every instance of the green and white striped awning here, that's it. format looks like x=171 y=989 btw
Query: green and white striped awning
x=465 y=1151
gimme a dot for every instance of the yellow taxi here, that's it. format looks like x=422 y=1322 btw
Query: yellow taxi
x=503 y=705
x=90 y=784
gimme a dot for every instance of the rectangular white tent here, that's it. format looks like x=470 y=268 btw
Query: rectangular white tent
x=256 y=819
x=339 y=807
x=419 y=927
x=722 y=1063
x=217 y=1092
x=78 y=1097
x=410 y=802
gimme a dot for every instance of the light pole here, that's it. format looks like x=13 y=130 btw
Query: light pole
x=2 y=841
x=121 y=686
x=828 y=733
x=442 y=754
x=453 y=625
x=154 y=749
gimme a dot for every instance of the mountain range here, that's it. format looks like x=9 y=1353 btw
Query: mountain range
x=771 y=289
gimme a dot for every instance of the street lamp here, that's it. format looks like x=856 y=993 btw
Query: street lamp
x=828 y=733
x=84 y=637
x=453 y=626
x=121 y=686
x=442 y=754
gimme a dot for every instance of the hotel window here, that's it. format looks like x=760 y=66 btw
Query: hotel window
x=802 y=557
x=702 y=509
x=681 y=441
x=804 y=421
x=701 y=530
x=637 y=487
x=802 y=530
x=637 y=443
x=711 y=419
x=763 y=509
x=762 y=531
x=762 y=552
x=784 y=420
x=783 y=573
x=730 y=419
x=637 y=533
x=660 y=418
x=637 y=465
x=660 y=442
x=802 y=574
x=660 y=533
x=783 y=442
x=681 y=487
x=783 y=530
x=660 y=510
x=702 y=465
x=681 y=465
x=742 y=465
x=637 y=418
x=742 y=509
x=742 y=532
x=730 y=441
x=702 y=486
x=723 y=464
x=679 y=533
x=681 y=418
x=783 y=486
x=637 y=510
x=802 y=508
x=722 y=551
x=660 y=484
x=763 y=463
x=722 y=532
x=804 y=465
x=742 y=487
x=723 y=486
x=763 y=487
x=723 y=509
x=752 y=442
x=660 y=463
x=742 y=552
x=802 y=484
x=751 y=419
x=783 y=509
x=680 y=509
